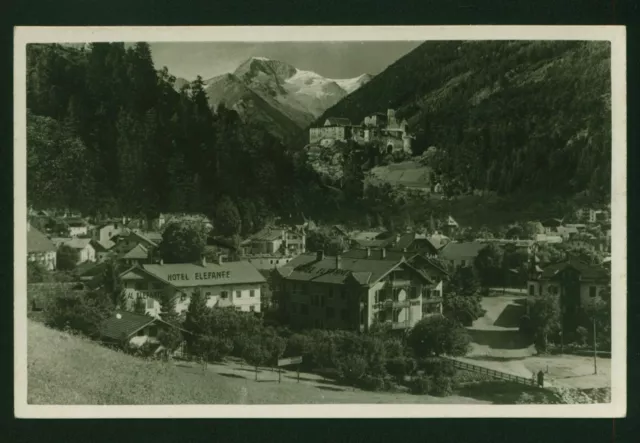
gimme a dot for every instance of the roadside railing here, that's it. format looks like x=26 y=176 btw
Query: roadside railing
x=491 y=372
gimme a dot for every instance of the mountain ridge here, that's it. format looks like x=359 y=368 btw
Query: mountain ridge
x=290 y=99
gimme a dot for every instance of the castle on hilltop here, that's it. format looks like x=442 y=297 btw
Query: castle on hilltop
x=393 y=134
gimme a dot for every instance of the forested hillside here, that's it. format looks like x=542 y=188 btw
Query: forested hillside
x=510 y=117
x=108 y=133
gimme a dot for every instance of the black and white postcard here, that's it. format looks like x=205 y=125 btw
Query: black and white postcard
x=320 y=222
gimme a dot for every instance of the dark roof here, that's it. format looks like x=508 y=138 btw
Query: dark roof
x=551 y=222
x=339 y=121
x=415 y=242
x=123 y=324
x=376 y=254
x=38 y=242
x=267 y=234
x=220 y=242
x=458 y=251
x=211 y=274
x=138 y=252
x=306 y=267
x=586 y=271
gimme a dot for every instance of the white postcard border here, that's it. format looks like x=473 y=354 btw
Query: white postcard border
x=615 y=34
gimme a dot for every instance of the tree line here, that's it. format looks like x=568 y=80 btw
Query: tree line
x=109 y=134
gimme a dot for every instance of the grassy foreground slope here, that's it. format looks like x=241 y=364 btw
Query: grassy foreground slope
x=64 y=369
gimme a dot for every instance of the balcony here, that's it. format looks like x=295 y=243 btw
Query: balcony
x=400 y=324
x=389 y=303
x=399 y=283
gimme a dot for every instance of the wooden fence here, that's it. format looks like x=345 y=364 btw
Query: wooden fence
x=491 y=372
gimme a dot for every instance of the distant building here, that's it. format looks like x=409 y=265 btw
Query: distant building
x=84 y=249
x=77 y=227
x=335 y=292
x=578 y=284
x=107 y=231
x=126 y=328
x=461 y=254
x=551 y=225
x=40 y=249
x=103 y=249
x=275 y=240
x=393 y=134
x=224 y=284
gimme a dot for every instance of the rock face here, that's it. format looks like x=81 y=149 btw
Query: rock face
x=284 y=98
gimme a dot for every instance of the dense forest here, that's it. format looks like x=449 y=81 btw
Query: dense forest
x=506 y=116
x=107 y=133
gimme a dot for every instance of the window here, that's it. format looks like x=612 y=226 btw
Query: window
x=153 y=331
x=150 y=303
x=140 y=333
x=592 y=291
x=343 y=294
x=252 y=293
x=304 y=309
x=224 y=295
x=252 y=308
x=330 y=292
x=238 y=294
x=463 y=262
x=532 y=290
x=330 y=313
x=141 y=286
x=208 y=294
x=321 y=301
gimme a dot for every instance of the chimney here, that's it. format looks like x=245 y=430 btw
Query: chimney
x=161 y=262
x=368 y=252
x=338 y=261
x=383 y=253
x=320 y=255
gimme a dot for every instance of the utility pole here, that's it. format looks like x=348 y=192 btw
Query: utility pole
x=595 y=352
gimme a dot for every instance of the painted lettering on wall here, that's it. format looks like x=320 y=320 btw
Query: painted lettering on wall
x=212 y=275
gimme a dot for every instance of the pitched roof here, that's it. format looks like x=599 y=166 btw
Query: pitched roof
x=38 y=242
x=75 y=222
x=102 y=245
x=586 y=271
x=458 y=251
x=123 y=324
x=78 y=243
x=191 y=275
x=306 y=267
x=137 y=252
x=376 y=254
x=338 y=121
x=267 y=234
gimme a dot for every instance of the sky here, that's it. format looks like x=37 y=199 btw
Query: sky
x=330 y=59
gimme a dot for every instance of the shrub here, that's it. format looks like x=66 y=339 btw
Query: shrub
x=372 y=383
x=436 y=367
x=583 y=335
x=442 y=386
x=421 y=385
x=352 y=368
x=82 y=312
x=438 y=335
x=400 y=367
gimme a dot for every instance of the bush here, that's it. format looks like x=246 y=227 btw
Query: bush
x=442 y=386
x=436 y=367
x=82 y=312
x=583 y=335
x=400 y=367
x=372 y=383
x=352 y=368
x=421 y=385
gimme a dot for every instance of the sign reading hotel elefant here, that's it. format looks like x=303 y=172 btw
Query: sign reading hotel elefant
x=212 y=275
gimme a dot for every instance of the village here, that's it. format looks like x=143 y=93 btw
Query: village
x=303 y=276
